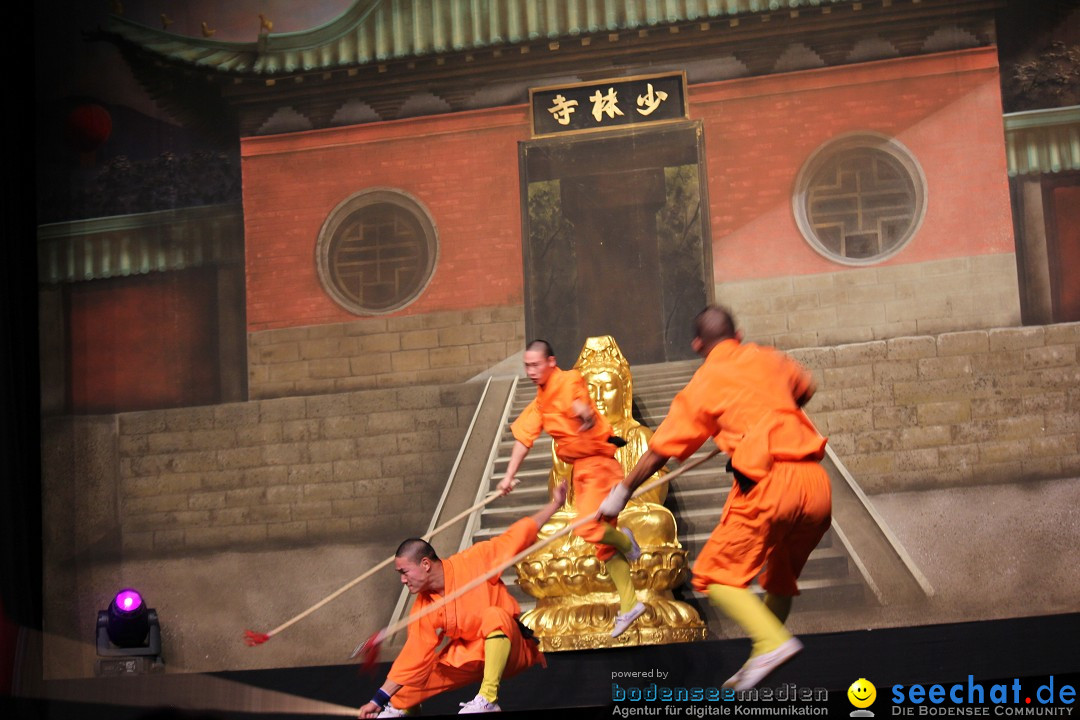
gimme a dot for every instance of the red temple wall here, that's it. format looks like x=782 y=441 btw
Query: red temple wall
x=463 y=167
x=946 y=109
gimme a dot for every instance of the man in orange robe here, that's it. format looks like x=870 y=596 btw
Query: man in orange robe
x=485 y=638
x=583 y=437
x=748 y=399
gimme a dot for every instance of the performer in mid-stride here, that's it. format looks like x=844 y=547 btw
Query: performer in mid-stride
x=748 y=399
x=584 y=438
x=486 y=640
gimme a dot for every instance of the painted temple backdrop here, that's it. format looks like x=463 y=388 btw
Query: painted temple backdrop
x=281 y=249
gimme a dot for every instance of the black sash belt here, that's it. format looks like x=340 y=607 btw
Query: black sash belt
x=746 y=484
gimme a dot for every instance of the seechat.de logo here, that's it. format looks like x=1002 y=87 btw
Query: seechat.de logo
x=974 y=698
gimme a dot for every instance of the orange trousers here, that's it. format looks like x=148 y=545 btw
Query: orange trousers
x=443 y=677
x=594 y=476
x=770 y=530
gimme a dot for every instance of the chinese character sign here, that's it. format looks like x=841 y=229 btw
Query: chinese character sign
x=562 y=109
x=605 y=105
x=650 y=101
x=608 y=104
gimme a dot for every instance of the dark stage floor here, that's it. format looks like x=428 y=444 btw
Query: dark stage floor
x=1021 y=653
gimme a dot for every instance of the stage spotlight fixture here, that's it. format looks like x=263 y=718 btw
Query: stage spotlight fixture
x=128 y=637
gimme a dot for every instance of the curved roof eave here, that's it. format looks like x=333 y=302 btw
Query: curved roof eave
x=373 y=31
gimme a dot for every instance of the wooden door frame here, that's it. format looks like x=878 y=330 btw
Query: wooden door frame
x=700 y=159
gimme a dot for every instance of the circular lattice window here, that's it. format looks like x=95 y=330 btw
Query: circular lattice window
x=859 y=199
x=377 y=251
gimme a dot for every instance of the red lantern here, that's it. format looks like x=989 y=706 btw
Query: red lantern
x=88 y=126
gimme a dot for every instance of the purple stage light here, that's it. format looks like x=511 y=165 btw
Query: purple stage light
x=127 y=619
x=128 y=636
x=128 y=601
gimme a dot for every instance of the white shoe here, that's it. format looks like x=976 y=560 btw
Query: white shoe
x=756 y=668
x=626 y=619
x=479 y=704
x=390 y=711
x=635 y=550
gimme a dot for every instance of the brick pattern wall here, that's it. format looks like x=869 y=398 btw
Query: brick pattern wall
x=959 y=408
x=944 y=108
x=289 y=470
x=382 y=352
x=462 y=167
x=875 y=303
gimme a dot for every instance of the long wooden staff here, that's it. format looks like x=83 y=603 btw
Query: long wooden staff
x=370 y=647
x=252 y=638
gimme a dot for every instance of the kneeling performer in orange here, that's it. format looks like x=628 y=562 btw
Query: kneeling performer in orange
x=486 y=641
x=748 y=399
x=583 y=437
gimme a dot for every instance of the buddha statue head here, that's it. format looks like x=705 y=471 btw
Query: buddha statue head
x=607 y=373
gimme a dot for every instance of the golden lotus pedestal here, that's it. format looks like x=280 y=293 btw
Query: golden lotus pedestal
x=575 y=598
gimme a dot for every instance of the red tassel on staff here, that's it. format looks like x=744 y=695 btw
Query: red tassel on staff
x=252 y=638
x=368 y=651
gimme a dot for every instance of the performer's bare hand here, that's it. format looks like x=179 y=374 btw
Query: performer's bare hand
x=585 y=413
x=369 y=711
x=507 y=484
x=558 y=495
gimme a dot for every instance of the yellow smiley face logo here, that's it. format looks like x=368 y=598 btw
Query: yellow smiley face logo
x=862 y=693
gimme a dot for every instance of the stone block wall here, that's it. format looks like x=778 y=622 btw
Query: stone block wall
x=382 y=352
x=959 y=408
x=953 y=409
x=279 y=472
x=887 y=301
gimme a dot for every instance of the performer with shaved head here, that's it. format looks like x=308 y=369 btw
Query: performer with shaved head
x=748 y=399
x=584 y=438
x=486 y=641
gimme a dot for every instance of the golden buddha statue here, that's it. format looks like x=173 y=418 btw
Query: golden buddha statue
x=575 y=600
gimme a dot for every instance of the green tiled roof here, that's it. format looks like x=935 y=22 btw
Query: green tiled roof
x=1043 y=141
x=125 y=245
x=373 y=31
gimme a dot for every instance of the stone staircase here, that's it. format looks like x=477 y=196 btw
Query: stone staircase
x=830 y=580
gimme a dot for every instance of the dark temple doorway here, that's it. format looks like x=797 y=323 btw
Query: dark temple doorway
x=615 y=234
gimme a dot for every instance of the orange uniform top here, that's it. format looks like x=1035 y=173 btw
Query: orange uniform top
x=743 y=396
x=460 y=620
x=552 y=410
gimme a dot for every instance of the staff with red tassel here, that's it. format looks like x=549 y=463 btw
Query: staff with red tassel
x=368 y=650
x=252 y=638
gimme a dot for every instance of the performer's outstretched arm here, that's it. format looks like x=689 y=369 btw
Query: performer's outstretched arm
x=517 y=455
